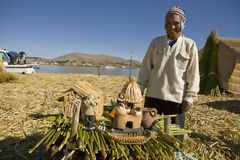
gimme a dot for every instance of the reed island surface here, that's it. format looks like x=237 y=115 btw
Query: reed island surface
x=26 y=104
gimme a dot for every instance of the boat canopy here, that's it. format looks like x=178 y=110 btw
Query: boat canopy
x=13 y=54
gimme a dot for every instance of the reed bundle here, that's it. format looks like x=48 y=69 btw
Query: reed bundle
x=208 y=67
x=6 y=77
x=159 y=146
x=2 y=67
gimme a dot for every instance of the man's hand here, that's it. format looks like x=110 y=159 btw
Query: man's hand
x=186 y=106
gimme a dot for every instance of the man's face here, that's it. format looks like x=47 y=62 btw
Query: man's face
x=173 y=26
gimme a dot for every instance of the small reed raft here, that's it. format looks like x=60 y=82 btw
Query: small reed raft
x=131 y=138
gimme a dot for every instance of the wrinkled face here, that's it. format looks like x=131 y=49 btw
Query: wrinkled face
x=173 y=26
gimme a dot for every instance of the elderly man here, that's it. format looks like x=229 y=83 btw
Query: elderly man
x=170 y=71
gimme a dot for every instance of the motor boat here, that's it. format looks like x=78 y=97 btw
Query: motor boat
x=15 y=62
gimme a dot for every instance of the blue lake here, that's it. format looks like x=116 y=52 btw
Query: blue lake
x=87 y=70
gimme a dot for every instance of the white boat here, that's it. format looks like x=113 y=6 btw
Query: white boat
x=25 y=69
x=19 y=68
x=109 y=67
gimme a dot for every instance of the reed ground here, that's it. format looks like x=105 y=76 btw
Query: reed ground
x=26 y=103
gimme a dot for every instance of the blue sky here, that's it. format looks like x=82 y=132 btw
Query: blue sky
x=51 y=28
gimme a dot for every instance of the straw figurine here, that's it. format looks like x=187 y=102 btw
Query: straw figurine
x=90 y=114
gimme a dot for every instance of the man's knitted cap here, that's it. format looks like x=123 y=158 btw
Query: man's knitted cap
x=181 y=12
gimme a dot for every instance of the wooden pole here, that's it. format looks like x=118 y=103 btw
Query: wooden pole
x=130 y=69
x=167 y=124
x=75 y=117
x=98 y=72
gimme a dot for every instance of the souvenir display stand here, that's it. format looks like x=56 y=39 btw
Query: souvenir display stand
x=128 y=132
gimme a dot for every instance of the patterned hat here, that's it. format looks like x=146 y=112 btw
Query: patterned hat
x=181 y=12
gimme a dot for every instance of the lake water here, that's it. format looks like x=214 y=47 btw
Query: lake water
x=86 y=70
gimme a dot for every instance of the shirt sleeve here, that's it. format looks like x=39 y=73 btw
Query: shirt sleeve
x=192 y=76
x=146 y=67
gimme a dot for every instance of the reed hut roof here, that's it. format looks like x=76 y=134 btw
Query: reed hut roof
x=132 y=91
x=83 y=89
x=229 y=64
x=233 y=43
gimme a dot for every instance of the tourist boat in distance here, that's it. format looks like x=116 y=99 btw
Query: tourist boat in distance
x=110 y=67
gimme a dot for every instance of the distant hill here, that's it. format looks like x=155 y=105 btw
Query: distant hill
x=37 y=60
x=82 y=59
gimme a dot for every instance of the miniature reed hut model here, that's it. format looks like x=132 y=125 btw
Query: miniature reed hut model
x=128 y=111
x=81 y=91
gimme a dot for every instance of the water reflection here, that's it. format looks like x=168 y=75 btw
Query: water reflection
x=87 y=70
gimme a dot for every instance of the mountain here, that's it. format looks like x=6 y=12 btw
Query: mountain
x=37 y=60
x=82 y=59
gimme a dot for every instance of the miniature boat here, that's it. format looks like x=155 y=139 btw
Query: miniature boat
x=128 y=138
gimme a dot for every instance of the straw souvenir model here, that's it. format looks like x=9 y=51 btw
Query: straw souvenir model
x=67 y=139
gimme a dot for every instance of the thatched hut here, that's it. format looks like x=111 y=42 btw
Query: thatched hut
x=80 y=91
x=229 y=64
x=220 y=65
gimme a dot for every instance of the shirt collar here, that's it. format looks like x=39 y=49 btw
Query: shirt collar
x=172 y=41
